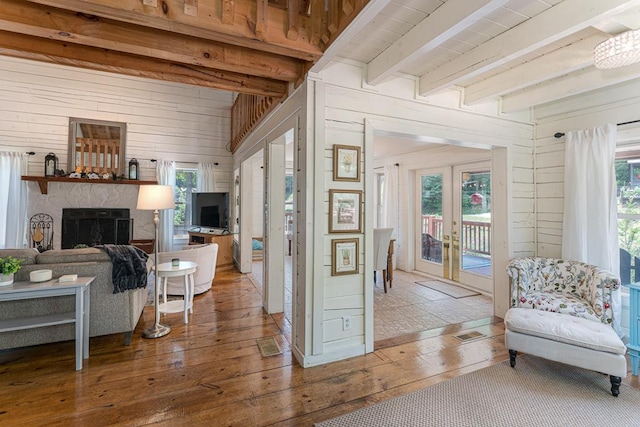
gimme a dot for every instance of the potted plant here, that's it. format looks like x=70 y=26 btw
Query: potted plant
x=8 y=266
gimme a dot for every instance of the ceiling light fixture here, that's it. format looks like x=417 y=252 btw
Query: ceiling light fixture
x=618 y=51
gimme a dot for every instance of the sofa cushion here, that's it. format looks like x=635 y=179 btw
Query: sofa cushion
x=560 y=303
x=563 y=328
x=27 y=256
x=72 y=255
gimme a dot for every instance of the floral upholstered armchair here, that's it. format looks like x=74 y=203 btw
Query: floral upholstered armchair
x=562 y=286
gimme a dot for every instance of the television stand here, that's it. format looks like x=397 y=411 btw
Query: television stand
x=225 y=247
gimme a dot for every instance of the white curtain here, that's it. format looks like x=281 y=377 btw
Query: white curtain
x=390 y=201
x=166 y=173
x=13 y=200
x=206 y=179
x=590 y=223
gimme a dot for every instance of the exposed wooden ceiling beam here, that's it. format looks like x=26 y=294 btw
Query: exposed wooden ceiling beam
x=26 y=18
x=208 y=24
x=555 y=23
x=574 y=84
x=56 y=52
x=554 y=64
x=444 y=23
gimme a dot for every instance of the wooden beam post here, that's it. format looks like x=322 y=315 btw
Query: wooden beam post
x=262 y=18
x=191 y=7
x=292 y=19
x=228 y=10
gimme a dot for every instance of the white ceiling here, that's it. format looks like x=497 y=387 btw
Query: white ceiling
x=523 y=53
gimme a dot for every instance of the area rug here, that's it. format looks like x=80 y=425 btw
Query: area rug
x=536 y=393
x=445 y=288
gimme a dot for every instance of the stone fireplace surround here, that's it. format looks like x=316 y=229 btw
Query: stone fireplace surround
x=88 y=195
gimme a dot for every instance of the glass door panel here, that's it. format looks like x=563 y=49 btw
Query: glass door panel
x=431 y=224
x=472 y=226
x=433 y=221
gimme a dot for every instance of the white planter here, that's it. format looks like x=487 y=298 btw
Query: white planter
x=6 y=279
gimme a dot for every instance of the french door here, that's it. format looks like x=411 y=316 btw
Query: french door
x=453 y=219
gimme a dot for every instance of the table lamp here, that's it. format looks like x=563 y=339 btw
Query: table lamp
x=156 y=197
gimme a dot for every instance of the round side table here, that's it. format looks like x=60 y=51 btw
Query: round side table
x=186 y=270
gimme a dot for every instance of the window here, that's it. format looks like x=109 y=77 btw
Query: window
x=628 y=182
x=186 y=184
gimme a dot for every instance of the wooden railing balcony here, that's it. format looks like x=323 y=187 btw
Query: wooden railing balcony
x=475 y=236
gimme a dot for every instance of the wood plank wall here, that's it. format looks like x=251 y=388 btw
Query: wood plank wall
x=347 y=107
x=335 y=109
x=164 y=120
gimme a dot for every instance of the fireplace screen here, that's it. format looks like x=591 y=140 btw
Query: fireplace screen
x=93 y=227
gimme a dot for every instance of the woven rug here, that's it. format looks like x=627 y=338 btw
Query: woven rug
x=536 y=393
x=445 y=288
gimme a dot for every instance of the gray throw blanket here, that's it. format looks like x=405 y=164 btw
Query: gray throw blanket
x=129 y=267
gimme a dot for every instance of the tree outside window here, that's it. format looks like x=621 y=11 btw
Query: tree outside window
x=186 y=184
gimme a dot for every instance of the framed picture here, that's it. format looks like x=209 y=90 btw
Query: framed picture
x=346 y=163
x=344 y=256
x=344 y=211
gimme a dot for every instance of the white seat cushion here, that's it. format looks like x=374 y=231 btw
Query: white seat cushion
x=564 y=328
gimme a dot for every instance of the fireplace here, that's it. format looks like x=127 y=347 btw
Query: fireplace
x=93 y=227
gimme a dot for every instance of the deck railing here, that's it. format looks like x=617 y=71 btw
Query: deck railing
x=476 y=236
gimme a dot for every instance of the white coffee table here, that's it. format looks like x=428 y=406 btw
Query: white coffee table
x=53 y=288
x=186 y=269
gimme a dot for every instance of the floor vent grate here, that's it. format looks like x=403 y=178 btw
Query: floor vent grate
x=473 y=335
x=268 y=347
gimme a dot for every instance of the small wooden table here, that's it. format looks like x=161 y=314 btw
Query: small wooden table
x=53 y=288
x=186 y=270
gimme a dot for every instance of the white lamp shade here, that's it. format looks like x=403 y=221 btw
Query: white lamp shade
x=155 y=197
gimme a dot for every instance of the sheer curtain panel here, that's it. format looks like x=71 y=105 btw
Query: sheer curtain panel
x=206 y=179
x=590 y=222
x=13 y=200
x=390 y=201
x=166 y=172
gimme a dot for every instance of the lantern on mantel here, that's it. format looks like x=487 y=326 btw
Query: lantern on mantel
x=133 y=168
x=50 y=164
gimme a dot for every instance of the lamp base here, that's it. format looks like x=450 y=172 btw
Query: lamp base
x=156 y=331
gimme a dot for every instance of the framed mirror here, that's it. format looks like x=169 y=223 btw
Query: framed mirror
x=97 y=146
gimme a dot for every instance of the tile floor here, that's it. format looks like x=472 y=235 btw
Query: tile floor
x=407 y=307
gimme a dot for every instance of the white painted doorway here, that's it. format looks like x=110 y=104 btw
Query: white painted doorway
x=453 y=219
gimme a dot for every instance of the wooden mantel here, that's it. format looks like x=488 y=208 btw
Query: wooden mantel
x=43 y=181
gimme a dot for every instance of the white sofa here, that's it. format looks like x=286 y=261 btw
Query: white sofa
x=204 y=255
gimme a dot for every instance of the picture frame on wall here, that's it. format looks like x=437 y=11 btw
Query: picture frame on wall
x=344 y=256
x=345 y=211
x=346 y=163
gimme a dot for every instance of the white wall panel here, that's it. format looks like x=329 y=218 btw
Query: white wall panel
x=164 y=121
x=347 y=109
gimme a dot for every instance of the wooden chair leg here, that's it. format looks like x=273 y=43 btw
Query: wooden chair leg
x=384 y=280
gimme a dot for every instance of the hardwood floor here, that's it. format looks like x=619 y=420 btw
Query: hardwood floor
x=210 y=372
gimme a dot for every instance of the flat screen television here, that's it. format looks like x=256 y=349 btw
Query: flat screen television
x=210 y=210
